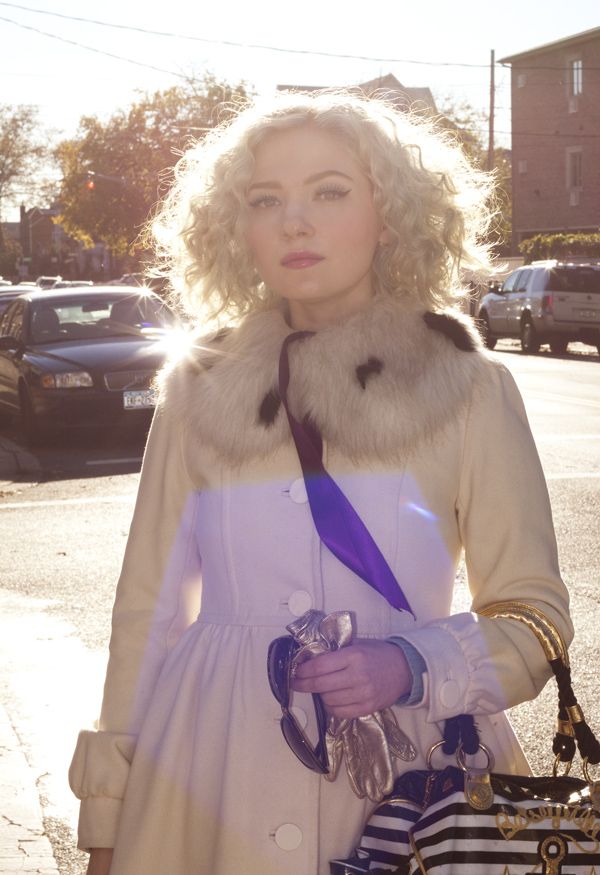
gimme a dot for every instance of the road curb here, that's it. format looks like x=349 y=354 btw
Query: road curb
x=24 y=845
x=15 y=462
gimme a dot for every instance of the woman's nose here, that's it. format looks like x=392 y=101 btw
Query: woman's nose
x=296 y=223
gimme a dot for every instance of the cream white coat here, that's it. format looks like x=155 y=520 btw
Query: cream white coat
x=189 y=772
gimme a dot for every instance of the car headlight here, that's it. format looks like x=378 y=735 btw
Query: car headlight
x=69 y=380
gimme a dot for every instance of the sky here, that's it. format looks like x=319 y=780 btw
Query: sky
x=95 y=69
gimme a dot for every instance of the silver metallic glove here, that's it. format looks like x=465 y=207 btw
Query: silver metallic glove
x=367 y=744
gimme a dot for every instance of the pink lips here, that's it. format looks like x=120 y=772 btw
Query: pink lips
x=298 y=260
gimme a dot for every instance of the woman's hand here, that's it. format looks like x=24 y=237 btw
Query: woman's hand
x=100 y=861
x=357 y=680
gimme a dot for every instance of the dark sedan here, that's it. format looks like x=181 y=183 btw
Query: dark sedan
x=81 y=356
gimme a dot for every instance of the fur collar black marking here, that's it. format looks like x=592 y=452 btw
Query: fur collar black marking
x=460 y=333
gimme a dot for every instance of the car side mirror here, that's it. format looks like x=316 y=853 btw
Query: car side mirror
x=8 y=343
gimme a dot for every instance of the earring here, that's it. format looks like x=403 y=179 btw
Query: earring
x=384 y=237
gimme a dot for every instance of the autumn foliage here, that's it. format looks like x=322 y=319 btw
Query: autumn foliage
x=129 y=159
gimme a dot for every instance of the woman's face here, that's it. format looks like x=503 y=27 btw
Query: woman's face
x=310 y=224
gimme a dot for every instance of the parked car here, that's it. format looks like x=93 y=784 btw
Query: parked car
x=46 y=282
x=156 y=283
x=9 y=293
x=545 y=302
x=70 y=284
x=81 y=356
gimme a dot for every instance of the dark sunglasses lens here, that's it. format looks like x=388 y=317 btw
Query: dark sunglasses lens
x=301 y=747
x=279 y=660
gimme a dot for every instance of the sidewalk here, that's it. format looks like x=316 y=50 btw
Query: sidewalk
x=24 y=847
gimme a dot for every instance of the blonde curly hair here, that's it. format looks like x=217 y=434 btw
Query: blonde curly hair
x=433 y=201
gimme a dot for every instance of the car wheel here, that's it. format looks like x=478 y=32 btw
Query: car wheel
x=486 y=332
x=530 y=343
x=32 y=430
x=559 y=346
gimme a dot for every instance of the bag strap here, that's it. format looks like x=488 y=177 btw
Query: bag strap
x=573 y=731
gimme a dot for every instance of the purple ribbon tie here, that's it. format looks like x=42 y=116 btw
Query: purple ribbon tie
x=338 y=524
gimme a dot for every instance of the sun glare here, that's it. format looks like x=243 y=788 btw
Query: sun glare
x=178 y=343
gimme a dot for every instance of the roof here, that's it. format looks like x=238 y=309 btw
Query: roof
x=53 y=295
x=386 y=86
x=582 y=37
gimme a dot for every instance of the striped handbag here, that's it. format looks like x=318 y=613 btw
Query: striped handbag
x=464 y=820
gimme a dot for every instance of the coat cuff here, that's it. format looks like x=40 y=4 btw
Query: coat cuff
x=460 y=677
x=98 y=776
x=98 y=822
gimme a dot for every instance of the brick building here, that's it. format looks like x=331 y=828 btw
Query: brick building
x=556 y=137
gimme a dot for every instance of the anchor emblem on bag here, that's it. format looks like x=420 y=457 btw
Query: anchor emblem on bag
x=553 y=851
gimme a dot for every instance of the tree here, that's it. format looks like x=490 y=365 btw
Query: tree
x=21 y=152
x=114 y=172
x=469 y=125
x=21 y=155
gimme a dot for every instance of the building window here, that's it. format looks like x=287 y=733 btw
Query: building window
x=522 y=166
x=574 y=174
x=575 y=77
x=574 y=83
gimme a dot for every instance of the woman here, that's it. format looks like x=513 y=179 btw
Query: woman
x=335 y=216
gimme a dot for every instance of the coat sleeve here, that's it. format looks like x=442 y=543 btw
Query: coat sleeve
x=477 y=665
x=158 y=596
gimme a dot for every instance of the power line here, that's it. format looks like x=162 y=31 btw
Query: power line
x=231 y=43
x=260 y=46
x=79 y=45
x=517 y=133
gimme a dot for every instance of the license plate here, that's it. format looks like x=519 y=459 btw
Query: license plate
x=140 y=399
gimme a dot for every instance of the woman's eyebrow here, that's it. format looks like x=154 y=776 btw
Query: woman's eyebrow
x=316 y=177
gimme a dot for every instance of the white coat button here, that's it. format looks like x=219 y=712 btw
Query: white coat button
x=298 y=492
x=299 y=602
x=300 y=716
x=449 y=694
x=288 y=837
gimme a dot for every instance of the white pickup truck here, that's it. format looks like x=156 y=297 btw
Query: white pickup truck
x=550 y=302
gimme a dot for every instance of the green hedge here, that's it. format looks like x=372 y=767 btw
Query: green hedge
x=560 y=246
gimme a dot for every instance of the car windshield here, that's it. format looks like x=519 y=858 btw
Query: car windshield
x=579 y=279
x=88 y=318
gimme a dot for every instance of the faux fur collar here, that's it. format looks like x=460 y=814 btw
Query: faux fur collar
x=376 y=385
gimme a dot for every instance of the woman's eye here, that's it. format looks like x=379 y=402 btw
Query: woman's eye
x=264 y=200
x=331 y=193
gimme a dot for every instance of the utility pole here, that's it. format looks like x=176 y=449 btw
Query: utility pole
x=490 y=159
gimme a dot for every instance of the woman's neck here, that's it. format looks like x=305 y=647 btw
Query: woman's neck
x=315 y=315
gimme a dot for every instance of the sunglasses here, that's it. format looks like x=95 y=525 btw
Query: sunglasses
x=280 y=660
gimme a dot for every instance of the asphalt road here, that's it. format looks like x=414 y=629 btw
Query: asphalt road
x=64 y=528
